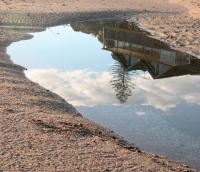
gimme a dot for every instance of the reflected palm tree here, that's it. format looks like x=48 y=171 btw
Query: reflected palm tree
x=121 y=82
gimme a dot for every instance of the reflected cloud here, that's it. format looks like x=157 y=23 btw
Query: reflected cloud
x=79 y=87
x=90 y=88
x=168 y=93
x=140 y=113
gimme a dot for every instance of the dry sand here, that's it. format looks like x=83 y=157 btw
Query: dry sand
x=193 y=6
x=179 y=30
x=39 y=130
x=59 y=6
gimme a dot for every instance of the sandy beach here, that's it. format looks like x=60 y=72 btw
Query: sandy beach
x=42 y=132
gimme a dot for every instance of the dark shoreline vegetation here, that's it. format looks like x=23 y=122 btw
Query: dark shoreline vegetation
x=51 y=122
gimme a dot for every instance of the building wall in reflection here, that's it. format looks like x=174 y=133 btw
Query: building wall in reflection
x=136 y=51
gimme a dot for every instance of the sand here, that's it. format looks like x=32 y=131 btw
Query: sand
x=193 y=6
x=59 y=6
x=42 y=132
x=181 y=31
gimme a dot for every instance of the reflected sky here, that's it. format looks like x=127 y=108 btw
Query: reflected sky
x=91 y=88
x=62 y=48
x=160 y=115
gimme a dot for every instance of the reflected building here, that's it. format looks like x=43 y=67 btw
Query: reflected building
x=136 y=51
x=133 y=50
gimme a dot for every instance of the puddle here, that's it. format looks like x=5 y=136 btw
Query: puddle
x=117 y=76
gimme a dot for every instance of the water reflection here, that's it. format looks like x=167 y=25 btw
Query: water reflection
x=136 y=85
x=90 y=88
x=121 y=82
x=136 y=51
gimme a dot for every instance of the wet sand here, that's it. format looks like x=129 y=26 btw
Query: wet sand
x=42 y=132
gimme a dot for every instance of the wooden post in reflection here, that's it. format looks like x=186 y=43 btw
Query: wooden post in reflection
x=104 y=44
x=116 y=37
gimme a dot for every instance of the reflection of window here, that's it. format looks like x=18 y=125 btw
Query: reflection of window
x=168 y=57
x=182 y=59
x=147 y=51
